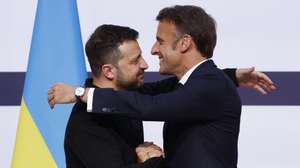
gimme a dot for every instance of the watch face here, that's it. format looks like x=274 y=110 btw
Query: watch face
x=79 y=91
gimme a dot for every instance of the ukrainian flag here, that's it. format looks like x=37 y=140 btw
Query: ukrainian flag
x=56 y=55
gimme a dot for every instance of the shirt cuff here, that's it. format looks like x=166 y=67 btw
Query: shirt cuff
x=90 y=99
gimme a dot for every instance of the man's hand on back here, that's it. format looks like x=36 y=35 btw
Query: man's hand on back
x=61 y=93
x=148 y=150
x=248 y=77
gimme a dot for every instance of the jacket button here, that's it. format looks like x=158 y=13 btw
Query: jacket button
x=105 y=109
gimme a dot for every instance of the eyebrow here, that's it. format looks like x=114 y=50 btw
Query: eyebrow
x=159 y=39
x=136 y=57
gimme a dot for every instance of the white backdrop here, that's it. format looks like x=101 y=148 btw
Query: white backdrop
x=260 y=33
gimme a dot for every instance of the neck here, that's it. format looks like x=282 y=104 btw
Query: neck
x=189 y=61
x=104 y=83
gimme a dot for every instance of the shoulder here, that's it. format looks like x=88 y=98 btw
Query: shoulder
x=208 y=80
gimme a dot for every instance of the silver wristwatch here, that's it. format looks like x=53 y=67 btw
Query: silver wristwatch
x=79 y=91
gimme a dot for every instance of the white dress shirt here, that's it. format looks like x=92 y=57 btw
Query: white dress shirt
x=186 y=76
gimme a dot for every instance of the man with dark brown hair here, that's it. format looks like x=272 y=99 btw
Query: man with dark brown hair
x=93 y=141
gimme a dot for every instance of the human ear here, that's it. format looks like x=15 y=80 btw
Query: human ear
x=185 y=43
x=108 y=70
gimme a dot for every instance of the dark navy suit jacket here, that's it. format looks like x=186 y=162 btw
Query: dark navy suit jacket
x=202 y=117
x=97 y=141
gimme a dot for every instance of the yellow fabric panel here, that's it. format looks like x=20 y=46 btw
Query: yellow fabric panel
x=30 y=149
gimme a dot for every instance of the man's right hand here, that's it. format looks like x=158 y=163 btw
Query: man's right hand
x=148 y=150
x=61 y=93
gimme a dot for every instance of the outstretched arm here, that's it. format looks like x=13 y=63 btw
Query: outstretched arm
x=248 y=77
x=201 y=95
x=243 y=77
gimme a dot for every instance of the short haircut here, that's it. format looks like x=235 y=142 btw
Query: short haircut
x=194 y=21
x=103 y=45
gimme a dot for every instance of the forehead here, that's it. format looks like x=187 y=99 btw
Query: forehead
x=130 y=49
x=166 y=28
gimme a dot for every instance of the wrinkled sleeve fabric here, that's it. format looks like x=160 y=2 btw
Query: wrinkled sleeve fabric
x=200 y=99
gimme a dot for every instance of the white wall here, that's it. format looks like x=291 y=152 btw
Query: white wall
x=8 y=126
x=257 y=33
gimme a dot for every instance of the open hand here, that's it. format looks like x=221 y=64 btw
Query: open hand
x=248 y=77
x=61 y=93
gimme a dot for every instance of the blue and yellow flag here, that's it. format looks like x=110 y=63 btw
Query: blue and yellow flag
x=56 y=55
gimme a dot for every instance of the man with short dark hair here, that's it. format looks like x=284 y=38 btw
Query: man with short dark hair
x=104 y=141
x=186 y=19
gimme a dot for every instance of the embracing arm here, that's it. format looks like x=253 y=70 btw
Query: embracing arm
x=168 y=84
x=199 y=99
x=241 y=77
x=246 y=77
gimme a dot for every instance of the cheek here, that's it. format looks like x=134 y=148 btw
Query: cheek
x=132 y=72
x=171 y=57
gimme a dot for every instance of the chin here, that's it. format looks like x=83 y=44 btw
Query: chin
x=140 y=82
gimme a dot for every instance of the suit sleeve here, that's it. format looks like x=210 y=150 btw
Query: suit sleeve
x=156 y=162
x=167 y=85
x=230 y=72
x=200 y=99
x=162 y=86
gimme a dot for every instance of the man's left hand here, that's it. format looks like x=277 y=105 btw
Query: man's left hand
x=61 y=93
x=248 y=77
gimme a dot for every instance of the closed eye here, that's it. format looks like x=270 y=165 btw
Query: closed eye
x=159 y=40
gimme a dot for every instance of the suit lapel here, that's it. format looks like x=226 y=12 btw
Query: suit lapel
x=203 y=68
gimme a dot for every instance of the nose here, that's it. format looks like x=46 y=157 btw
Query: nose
x=155 y=48
x=143 y=64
